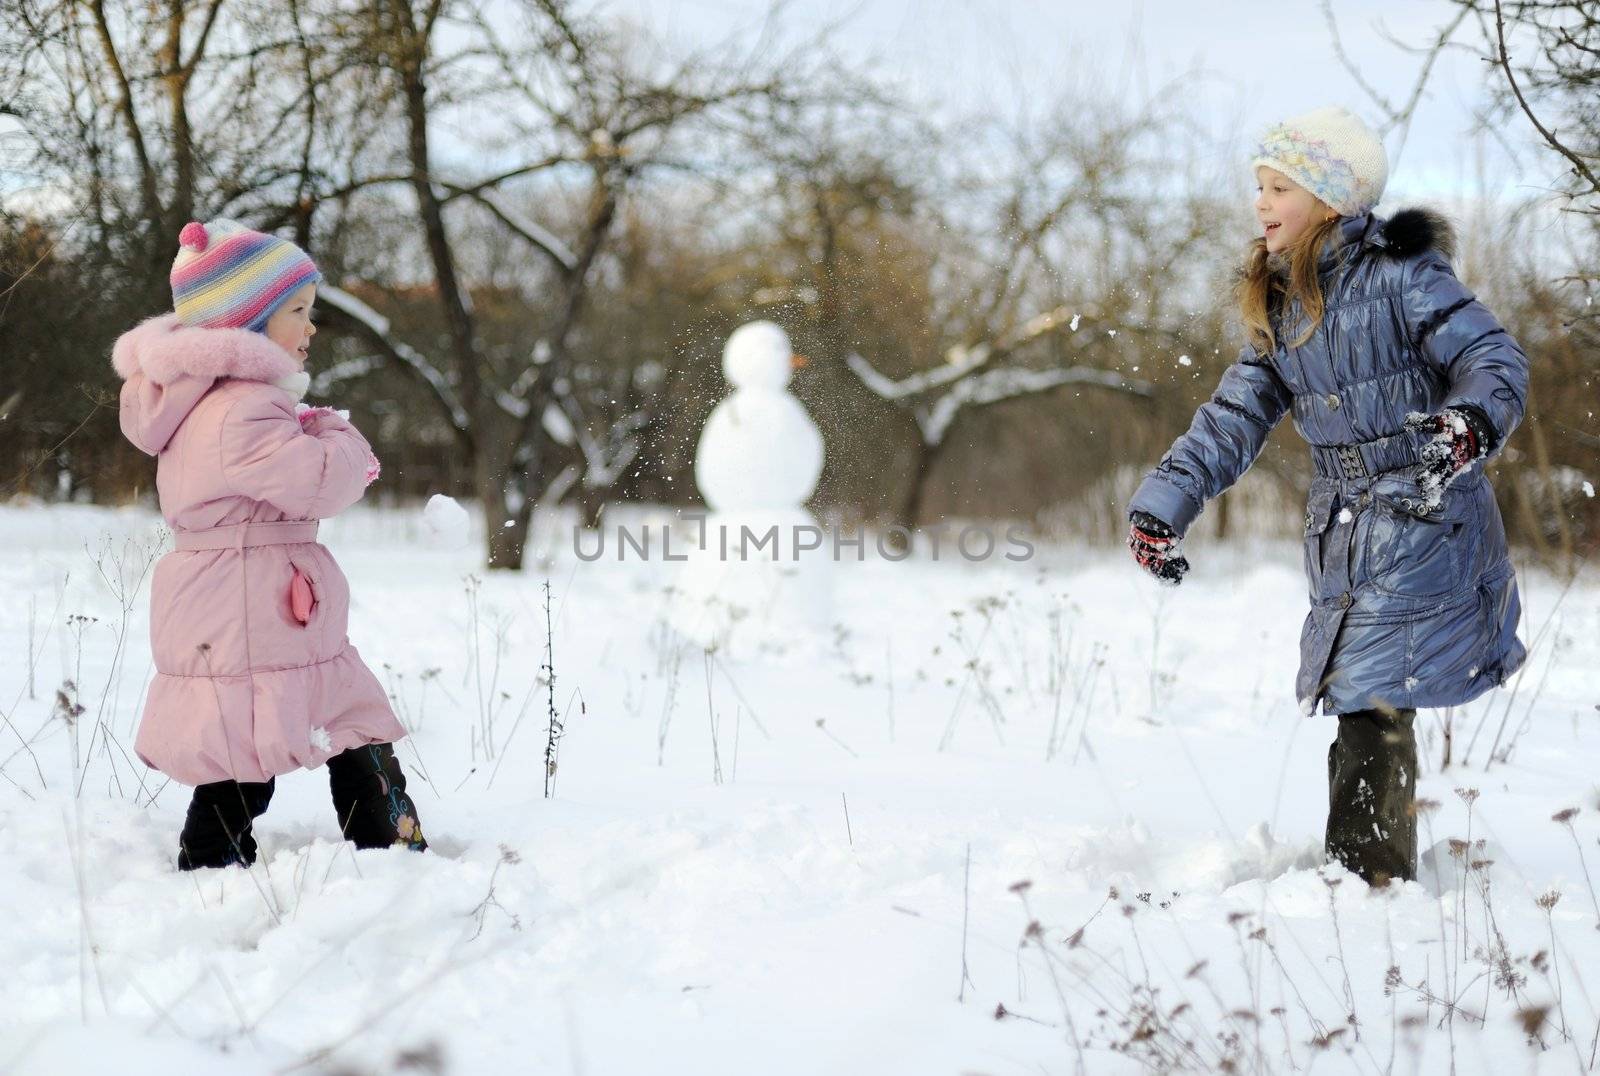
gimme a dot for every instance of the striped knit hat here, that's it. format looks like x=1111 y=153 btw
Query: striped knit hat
x=229 y=277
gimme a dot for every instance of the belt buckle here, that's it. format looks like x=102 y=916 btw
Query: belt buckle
x=1351 y=463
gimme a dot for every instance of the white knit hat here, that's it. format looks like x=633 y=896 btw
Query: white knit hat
x=1330 y=153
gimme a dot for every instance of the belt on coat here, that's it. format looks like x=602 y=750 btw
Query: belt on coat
x=247 y=535
x=1367 y=458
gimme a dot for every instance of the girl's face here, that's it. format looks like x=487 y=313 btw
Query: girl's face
x=290 y=325
x=1285 y=209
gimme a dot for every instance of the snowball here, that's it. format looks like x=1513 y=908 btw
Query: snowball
x=1588 y=489
x=1072 y=326
x=321 y=740
x=1411 y=683
x=446 y=522
x=1345 y=516
x=1184 y=360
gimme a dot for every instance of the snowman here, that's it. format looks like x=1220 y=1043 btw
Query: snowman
x=759 y=449
x=757 y=463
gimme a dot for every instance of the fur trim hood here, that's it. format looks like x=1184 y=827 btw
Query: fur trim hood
x=168 y=367
x=163 y=349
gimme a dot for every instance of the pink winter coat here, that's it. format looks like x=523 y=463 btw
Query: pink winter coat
x=244 y=690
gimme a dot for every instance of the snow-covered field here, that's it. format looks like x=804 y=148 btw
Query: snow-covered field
x=993 y=821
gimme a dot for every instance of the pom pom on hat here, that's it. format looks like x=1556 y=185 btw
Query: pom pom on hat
x=1331 y=153
x=227 y=276
x=194 y=237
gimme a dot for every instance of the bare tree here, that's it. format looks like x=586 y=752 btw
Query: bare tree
x=133 y=112
x=1051 y=263
x=974 y=377
x=1397 y=116
x=593 y=116
x=1554 y=83
x=120 y=121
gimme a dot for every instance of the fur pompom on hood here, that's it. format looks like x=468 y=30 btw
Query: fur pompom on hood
x=1412 y=231
x=163 y=349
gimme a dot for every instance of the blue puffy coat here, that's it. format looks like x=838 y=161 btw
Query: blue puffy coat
x=1411 y=605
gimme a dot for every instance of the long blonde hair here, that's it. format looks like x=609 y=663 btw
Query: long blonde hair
x=1261 y=287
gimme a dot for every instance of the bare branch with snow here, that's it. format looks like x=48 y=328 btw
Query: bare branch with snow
x=993 y=386
x=360 y=319
x=962 y=359
x=605 y=457
x=525 y=228
x=969 y=384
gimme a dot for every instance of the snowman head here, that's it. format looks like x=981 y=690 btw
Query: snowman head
x=758 y=356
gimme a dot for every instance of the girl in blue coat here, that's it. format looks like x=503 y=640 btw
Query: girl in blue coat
x=1403 y=384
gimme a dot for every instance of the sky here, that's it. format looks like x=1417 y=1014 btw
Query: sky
x=1241 y=64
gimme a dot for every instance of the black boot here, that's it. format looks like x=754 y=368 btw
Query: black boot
x=216 y=832
x=369 y=797
x=1372 y=791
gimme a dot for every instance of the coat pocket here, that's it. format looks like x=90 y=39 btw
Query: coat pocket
x=1319 y=517
x=302 y=595
x=1412 y=554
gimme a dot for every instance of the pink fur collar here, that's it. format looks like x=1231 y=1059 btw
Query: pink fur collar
x=164 y=349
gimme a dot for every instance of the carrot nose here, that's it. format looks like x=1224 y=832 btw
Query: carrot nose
x=797 y=361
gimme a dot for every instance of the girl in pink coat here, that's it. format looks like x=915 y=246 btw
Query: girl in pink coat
x=255 y=676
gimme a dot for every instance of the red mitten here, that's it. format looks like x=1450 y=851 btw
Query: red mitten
x=311 y=417
x=1156 y=547
x=1460 y=437
x=311 y=420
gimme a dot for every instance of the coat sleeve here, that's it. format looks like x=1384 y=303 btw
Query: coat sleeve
x=1224 y=439
x=1458 y=336
x=266 y=455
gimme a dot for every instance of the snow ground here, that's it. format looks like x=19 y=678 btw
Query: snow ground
x=702 y=903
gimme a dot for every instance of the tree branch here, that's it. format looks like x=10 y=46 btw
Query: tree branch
x=347 y=313
x=960 y=360
x=188 y=65
x=532 y=232
x=1503 y=58
x=993 y=386
x=969 y=384
x=147 y=175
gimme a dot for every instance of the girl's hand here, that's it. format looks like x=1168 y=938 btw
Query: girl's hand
x=1155 y=547
x=1460 y=436
x=311 y=418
